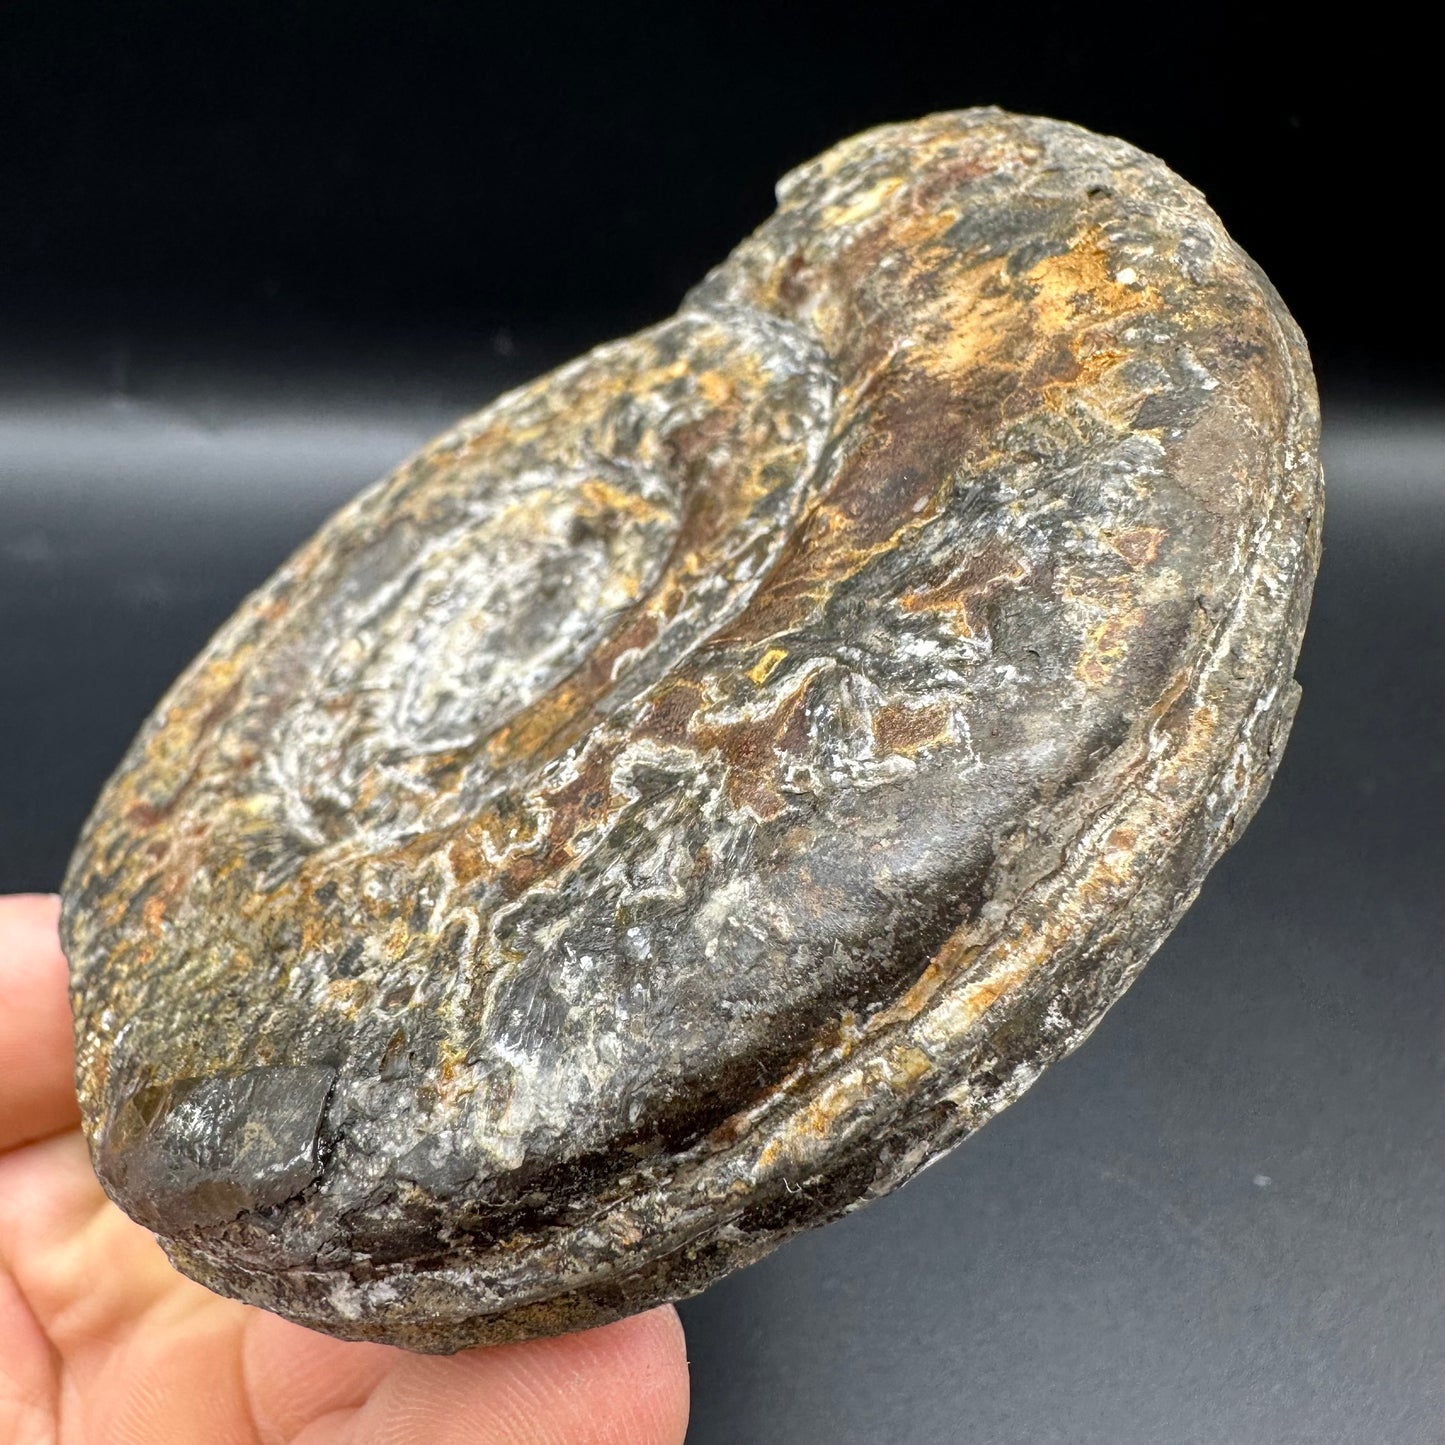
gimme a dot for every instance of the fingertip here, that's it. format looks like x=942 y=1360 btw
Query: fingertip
x=621 y=1384
x=651 y=1358
x=37 y=1090
x=29 y=922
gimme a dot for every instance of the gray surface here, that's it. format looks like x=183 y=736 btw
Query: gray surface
x=1223 y=1220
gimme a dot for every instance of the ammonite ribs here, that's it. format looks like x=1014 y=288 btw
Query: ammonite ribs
x=716 y=777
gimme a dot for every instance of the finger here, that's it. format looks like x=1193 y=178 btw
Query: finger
x=624 y=1384
x=37 y=1085
x=27 y=1371
x=87 y=1271
x=91 y=1275
x=149 y=1357
x=294 y=1376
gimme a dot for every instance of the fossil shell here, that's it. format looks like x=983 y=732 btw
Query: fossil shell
x=715 y=778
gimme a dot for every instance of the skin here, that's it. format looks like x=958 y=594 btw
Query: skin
x=102 y=1342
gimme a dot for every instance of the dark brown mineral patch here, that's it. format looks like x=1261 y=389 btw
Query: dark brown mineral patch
x=716 y=777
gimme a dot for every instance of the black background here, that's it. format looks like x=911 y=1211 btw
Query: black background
x=250 y=255
x=360 y=170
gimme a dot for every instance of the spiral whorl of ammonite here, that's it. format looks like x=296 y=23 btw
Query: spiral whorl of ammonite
x=715 y=777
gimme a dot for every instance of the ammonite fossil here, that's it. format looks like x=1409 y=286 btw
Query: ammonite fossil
x=713 y=779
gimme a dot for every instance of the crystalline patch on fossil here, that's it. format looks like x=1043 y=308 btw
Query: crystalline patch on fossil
x=198 y=1150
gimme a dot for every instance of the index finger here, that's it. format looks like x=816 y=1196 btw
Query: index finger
x=37 y=1083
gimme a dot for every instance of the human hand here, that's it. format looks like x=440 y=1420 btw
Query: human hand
x=103 y=1343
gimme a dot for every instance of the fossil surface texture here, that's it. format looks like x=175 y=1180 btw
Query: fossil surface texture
x=713 y=779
